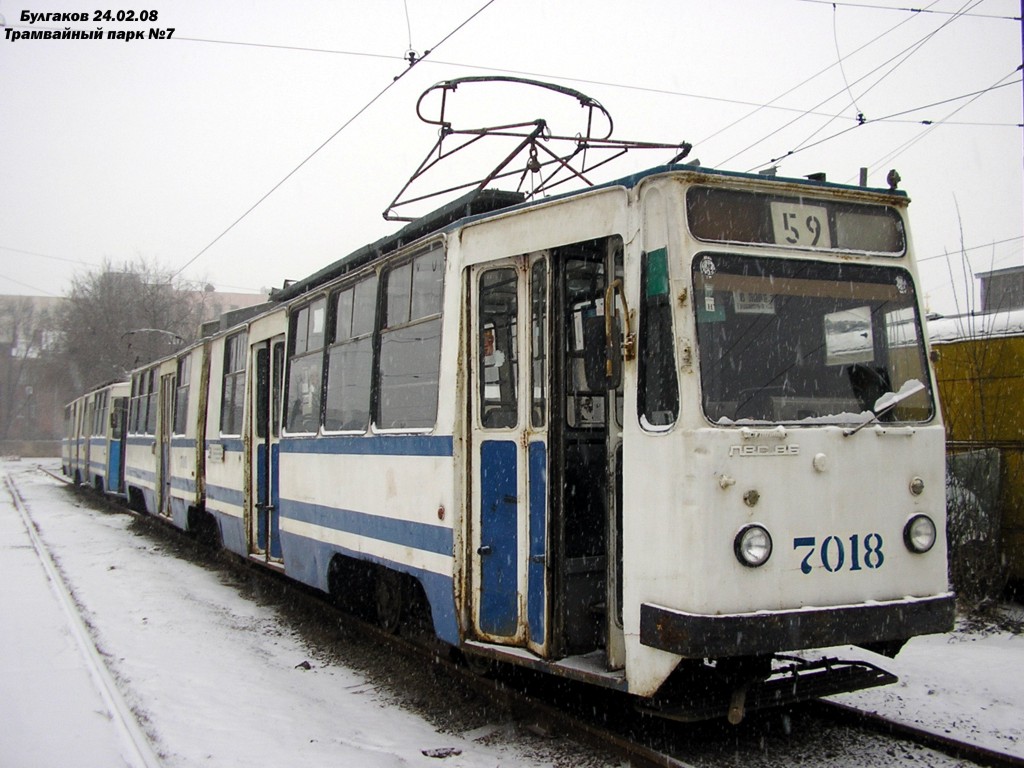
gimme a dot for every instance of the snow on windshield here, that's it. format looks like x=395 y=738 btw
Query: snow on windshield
x=805 y=342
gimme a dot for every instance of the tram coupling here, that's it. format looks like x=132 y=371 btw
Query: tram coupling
x=708 y=694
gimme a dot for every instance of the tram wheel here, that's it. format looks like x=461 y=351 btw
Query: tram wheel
x=481 y=666
x=390 y=600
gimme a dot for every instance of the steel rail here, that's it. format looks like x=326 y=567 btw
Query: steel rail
x=426 y=649
x=578 y=729
x=139 y=750
x=943 y=743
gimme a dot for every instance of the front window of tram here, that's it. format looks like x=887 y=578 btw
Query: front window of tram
x=789 y=341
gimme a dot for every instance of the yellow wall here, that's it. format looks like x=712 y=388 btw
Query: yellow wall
x=981 y=384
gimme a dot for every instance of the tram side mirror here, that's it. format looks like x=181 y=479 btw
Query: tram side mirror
x=602 y=361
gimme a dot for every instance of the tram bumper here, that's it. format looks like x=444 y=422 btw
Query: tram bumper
x=699 y=636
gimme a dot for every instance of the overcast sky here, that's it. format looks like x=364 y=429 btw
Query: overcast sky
x=151 y=148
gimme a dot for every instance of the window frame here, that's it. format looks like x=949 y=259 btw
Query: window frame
x=367 y=333
x=407 y=322
x=182 y=384
x=236 y=348
x=304 y=315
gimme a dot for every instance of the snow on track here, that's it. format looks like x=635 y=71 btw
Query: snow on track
x=214 y=678
x=84 y=704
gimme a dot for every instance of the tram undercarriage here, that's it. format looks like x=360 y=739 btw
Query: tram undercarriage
x=733 y=687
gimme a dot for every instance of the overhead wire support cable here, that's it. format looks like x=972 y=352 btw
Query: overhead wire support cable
x=551 y=76
x=839 y=61
x=933 y=125
x=927 y=9
x=329 y=139
x=813 y=109
x=973 y=248
x=908 y=53
x=537 y=75
x=26 y=285
x=974 y=95
x=905 y=53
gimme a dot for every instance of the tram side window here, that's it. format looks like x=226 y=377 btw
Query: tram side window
x=350 y=357
x=181 y=396
x=143 y=405
x=101 y=428
x=584 y=289
x=498 y=348
x=94 y=416
x=133 y=405
x=410 y=343
x=233 y=392
x=305 y=377
x=539 y=343
x=150 y=377
x=658 y=385
x=117 y=419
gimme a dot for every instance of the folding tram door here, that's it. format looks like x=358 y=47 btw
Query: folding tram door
x=544 y=454
x=115 y=452
x=165 y=428
x=267 y=365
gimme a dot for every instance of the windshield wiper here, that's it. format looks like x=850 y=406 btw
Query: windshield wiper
x=886 y=403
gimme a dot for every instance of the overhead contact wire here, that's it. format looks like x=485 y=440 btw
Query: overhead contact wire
x=329 y=139
x=909 y=50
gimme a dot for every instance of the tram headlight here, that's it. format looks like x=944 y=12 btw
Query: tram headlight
x=753 y=545
x=919 y=534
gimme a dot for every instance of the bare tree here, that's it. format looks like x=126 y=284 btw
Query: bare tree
x=117 y=318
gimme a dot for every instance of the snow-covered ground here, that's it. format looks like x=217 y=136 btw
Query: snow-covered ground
x=968 y=684
x=215 y=678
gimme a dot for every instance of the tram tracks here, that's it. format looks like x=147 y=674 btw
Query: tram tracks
x=321 y=623
x=137 y=750
x=944 y=743
x=604 y=731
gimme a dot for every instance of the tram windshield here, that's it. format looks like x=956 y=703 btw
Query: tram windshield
x=796 y=341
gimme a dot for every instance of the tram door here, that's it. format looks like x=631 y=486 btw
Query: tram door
x=166 y=428
x=546 y=453
x=86 y=450
x=586 y=451
x=265 y=424
x=509 y=350
x=115 y=455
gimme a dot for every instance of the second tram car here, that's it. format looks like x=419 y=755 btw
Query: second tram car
x=650 y=435
x=93 y=446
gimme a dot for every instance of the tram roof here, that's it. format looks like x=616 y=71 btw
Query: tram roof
x=476 y=205
x=470 y=205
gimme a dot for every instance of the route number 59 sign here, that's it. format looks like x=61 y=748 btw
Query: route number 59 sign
x=801 y=226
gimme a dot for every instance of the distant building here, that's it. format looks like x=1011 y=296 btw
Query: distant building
x=31 y=397
x=221 y=303
x=1002 y=289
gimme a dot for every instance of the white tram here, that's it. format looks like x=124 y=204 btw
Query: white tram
x=92 y=450
x=648 y=434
